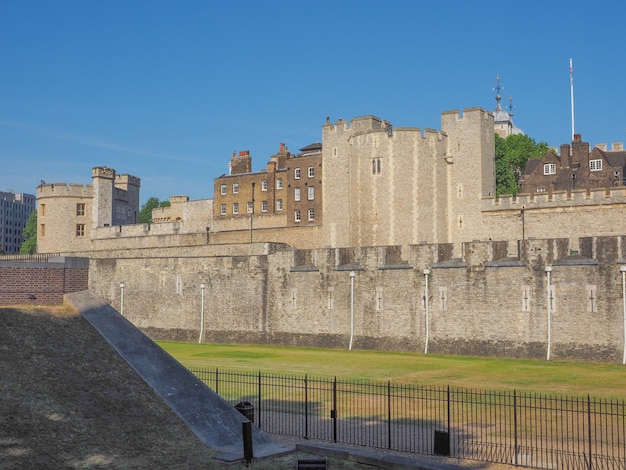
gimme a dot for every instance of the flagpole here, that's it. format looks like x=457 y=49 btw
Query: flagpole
x=571 y=85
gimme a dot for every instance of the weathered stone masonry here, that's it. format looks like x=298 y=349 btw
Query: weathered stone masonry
x=483 y=303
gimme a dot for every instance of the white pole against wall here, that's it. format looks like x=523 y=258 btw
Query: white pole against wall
x=622 y=269
x=352 y=274
x=426 y=273
x=202 y=286
x=122 y=298
x=549 y=299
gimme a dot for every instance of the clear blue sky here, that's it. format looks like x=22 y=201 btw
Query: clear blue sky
x=167 y=90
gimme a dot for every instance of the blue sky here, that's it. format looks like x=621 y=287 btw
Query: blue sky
x=167 y=90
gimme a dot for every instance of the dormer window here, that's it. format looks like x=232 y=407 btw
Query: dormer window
x=549 y=169
x=595 y=165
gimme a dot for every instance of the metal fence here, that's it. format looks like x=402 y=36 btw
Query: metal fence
x=525 y=429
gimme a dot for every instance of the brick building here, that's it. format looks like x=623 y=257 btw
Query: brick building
x=575 y=168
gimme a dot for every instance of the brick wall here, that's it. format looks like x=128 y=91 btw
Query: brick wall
x=41 y=283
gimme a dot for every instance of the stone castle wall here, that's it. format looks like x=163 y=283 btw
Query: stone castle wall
x=482 y=303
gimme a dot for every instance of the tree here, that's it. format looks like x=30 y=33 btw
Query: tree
x=29 y=245
x=145 y=214
x=512 y=154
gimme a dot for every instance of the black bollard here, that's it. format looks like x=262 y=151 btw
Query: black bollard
x=248 y=453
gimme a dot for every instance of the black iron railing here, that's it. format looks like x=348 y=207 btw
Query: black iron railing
x=525 y=429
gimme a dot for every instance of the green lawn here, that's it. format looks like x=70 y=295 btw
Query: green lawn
x=567 y=378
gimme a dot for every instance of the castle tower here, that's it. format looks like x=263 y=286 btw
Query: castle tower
x=503 y=120
x=102 y=180
x=470 y=155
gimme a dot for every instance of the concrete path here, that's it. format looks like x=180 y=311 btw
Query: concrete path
x=216 y=423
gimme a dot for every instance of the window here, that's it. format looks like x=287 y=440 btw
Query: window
x=222 y=189
x=80 y=209
x=249 y=208
x=235 y=208
x=279 y=183
x=443 y=298
x=296 y=173
x=264 y=185
x=279 y=205
x=541 y=190
x=549 y=169
x=263 y=206
x=80 y=230
x=179 y=284
x=42 y=230
x=42 y=210
x=223 y=209
x=235 y=188
x=311 y=172
x=311 y=193
x=296 y=194
x=296 y=215
x=592 y=299
x=376 y=165
x=525 y=299
x=379 y=299
x=311 y=215
x=330 y=302
x=595 y=165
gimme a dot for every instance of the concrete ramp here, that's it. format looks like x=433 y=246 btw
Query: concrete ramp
x=216 y=423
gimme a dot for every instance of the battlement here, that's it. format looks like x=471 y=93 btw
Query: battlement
x=579 y=197
x=615 y=147
x=102 y=172
x=466 y=113
x=64 y=190
x=126 y=180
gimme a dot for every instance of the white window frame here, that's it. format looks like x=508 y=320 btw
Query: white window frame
x=296 y=194
x=549 y=169
x=311 y=193
x=263 y=206
x=279 y=205
x=263 y=185
x=311 y=213
x=595 y=165
x=297 y=217
x=223 y=209
x=279 y=183
x=311 y=172
x=235 y=188
x=297 y=173
x=249 y=207
x=235 y=208
x=223 y=189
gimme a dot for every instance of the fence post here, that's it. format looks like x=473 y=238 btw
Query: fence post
x=306 y=406
x=217 y=382
x=259 y=389
x=334 y=411
x=515 y=426
x=590 y=464
x=389 y=414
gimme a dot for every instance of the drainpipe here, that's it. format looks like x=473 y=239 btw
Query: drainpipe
x=426 y=274
x=549 y=300
x=202 y=286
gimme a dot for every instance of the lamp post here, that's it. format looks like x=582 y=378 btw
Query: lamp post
x=122 y=298
x=352 y=274
x=252 y=212
x=622 y=269
x=549 y=299
x=426 y=274
x=202 y=286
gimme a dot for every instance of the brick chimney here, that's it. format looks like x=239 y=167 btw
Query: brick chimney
x=580 y=150
x=565 y=155
x=241 y=163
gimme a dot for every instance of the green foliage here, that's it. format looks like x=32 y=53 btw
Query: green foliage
x=145 y=214
x=29 y=245
x=512 y=154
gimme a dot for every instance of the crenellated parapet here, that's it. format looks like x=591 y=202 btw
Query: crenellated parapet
x=72 y=190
